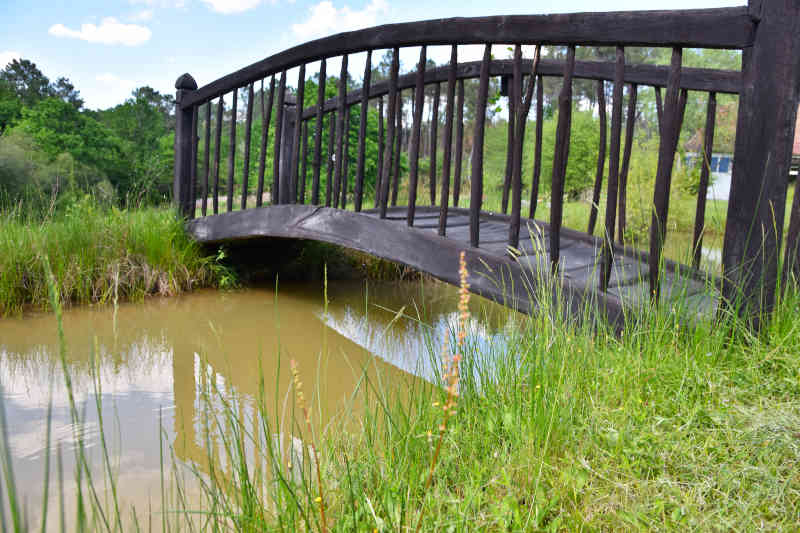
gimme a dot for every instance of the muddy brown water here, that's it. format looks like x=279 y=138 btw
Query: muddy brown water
x=147 y=365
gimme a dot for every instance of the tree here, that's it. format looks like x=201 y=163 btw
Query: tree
x=27 y=81
x=64 y=90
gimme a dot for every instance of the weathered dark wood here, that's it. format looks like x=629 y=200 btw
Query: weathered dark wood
x=413 y=156
x=659 y=107
x=630 y=122
x=191 y=200
x=448 y=141
x=666 y=157
x=390 y=125
x=613 y=173
x=248 y=127
x=346 y=160
x=510 y=130
x=340 y=114
x=437 y=93
x=601 y=157
x=381 y=146
x=537 y=151
x=206 y=160
x=399 y=135
x=516 y=111
x=362 y=133
x=762 y=156
x=702 y=28
x=266 y=117
x=318 y=134
x=287 y=152
x=276 y=152
x=476 y=179
x=459 y=143
x=298 y=130
x=232 y=151
x=303 y=165
x=560 y=159
x=218 y=152
x=702 y=188
x=331 y=141
x=185 y=141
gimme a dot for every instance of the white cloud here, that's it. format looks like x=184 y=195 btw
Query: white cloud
x=141 y=16
x=325 y=19
x=110 y=31
x=114 y=90
x=228 y=7
x=160 y=3
x=7 y=56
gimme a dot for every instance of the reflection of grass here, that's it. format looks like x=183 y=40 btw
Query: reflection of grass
x=572 y=427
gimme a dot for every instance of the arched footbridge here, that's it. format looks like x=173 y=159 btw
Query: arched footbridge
x=307 y=154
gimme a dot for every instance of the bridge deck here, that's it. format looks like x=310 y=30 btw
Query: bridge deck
x=495 y=272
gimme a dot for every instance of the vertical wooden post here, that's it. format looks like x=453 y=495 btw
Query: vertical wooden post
x=702 y=189
x=476 y=179
x=287 y=149
x=459 y=143
x=413 y=157
x=630 y=122
x=362 y=132
x=181 y=185
x=381 y=143
x=277 y=147
x=437 y=93
x=390 y=125
x=537 y=154
x=298 y=130
x=318 y=134
x=448 y=139
x=601 y=157
x=762 y=156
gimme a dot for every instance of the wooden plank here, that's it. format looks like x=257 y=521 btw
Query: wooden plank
x=195 y=141
x=298 y=130
x=510 y=130
x=217 y=150
x=630 y=122
x=399 y=148
x=476 y=179
x=537 y=151
x=413 y=155
x=303 y=165
x=659 y=107
x=700 y=28
x=340 y=114
x=381 y=147
x=346 y=160
x=318 y=134
x=232 y=150
x=276 y=157
x=613 y=173
x=266 y=118
x=459 y=143
x=601 y=157
x=362 y=133
x=560 y=159
x=437 y=93
x=248 y=127
x=390 y=131
x=702 y=188
x=666 y=157
x=331 y=142
x=207 y=157
x=448 y=141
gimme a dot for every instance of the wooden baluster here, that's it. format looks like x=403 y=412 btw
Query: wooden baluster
x=437 y=93
x=266 y=117
x=413 y=156
x=666 y=157
x=342 y=104
x=304 y=164
x=346 y=160
x=509 y=148
x=476 y=179
x=207 y=157
x=247 y=133
x=702 y=189
x=613 y=171
x=232 y=151
x=298 y=130
x=537 y=153
x=601 y=157
x=390 y=126
x=459 y=143
x=399 y=130
x=318 y=134
x=276 y=152
x=193 y=167
x=630 y=122
x=331 y=141
x=448 y=139
x=659 y=108
x=381 y=147
x=560 y=158
x=362 y=132
x=523 y=107
x=217 y=150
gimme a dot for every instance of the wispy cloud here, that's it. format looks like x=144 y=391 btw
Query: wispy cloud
x=228 y=7
x=110 y=31
x=160 y=3
x=113 y=90
x=141 y=16
x=7 y=56
x=325 y=18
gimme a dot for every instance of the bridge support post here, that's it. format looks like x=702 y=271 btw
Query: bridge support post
x=762 y=155
x=287 y=149
x=184 y=142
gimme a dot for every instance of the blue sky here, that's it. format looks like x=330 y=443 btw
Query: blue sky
x=109 y=47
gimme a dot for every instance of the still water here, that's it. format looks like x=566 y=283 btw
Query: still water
x=145 y=365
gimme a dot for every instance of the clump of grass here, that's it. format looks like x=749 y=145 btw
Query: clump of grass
x=99 y=255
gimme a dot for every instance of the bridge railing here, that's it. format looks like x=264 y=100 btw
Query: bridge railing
x=763 y=30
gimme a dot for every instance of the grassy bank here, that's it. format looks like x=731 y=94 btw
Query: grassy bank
x=98 y=255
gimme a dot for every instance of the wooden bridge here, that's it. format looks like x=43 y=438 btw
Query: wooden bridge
x=511 y=257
